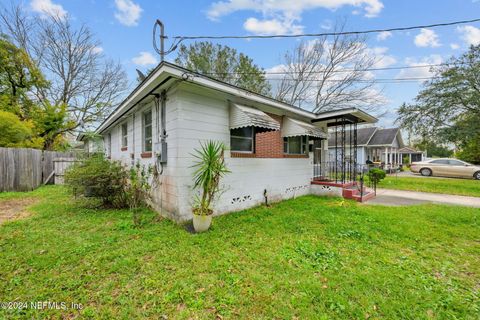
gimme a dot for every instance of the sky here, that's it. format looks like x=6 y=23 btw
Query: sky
x=124 y=28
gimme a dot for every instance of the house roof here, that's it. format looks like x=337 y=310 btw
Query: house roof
x=370 y=136
x=166 y=74
x=409 y=150
x=363 y=136
x=384 y=137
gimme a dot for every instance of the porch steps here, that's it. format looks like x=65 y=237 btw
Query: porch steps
x=350 y=190
x=355 y=194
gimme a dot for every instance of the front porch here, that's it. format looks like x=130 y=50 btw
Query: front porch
x=340 y=174
x=386 y=158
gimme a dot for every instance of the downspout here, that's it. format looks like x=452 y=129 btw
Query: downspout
x=161 y=143
x=163 y=136
x=132 y=155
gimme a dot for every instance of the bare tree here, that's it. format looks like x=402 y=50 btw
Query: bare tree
x=329 y=72
x=80 y=76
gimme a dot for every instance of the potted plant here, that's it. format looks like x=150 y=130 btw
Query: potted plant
x=209 y=168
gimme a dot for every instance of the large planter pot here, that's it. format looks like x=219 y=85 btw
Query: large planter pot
x=201 y=223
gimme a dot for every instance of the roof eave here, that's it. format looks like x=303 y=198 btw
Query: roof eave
x=356 y=112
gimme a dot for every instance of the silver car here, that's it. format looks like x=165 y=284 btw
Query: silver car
x=446 y=167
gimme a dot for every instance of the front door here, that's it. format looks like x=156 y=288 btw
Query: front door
x=317 y=158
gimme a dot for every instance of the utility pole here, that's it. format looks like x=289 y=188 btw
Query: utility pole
x=162 y=39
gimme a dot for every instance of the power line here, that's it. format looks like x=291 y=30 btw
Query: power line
x=379 y=80
x=323 y=34
x=332 y=71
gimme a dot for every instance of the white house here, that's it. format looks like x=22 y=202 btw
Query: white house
x=375 y=144
x=272 y=145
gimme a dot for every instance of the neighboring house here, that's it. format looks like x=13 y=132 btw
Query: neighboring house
x=412 y=154
x=271 y=145
x=91 y=145
x=374 y=144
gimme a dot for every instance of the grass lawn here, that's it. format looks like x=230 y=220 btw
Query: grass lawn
x=463 y=187
x=306 y=258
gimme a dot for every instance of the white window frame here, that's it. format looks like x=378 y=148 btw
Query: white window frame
x=303 y=145
x=144 y=127
x=243 y=137
x=124 y=137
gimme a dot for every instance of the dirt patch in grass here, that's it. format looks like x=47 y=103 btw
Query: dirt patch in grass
x=15 y=209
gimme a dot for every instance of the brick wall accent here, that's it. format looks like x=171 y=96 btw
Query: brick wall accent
x=234 y=154
x=268 y=144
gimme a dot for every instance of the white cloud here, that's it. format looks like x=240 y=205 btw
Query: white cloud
x=128 y=12
x=470 y=34
x=145 y=59
x=272 y=26
x=454 y=46
x=97 y=50
x=48 y=8
x=382 y=60
x=420 y=72
x=384 y=35
x=286 y=13
x=427 y=38
x=326 y=24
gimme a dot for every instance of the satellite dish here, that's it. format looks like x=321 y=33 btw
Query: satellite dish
x=141 y=76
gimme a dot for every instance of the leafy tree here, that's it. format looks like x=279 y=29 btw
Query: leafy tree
x=20 y=80
x=51 y=122
x=448 y=107
x=225 y=64
x=14 y=132
x=80 y=76
x=18 y=77
x=433 y=148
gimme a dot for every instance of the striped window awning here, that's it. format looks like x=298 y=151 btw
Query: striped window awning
x=243 y=116
x=292 y=128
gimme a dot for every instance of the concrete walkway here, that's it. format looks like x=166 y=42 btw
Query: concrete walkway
x=389 y=197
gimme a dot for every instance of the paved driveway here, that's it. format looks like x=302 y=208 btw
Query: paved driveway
x=391 y=197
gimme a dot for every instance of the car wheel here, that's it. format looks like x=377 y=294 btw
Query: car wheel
x=476 y=175
x=426 y=172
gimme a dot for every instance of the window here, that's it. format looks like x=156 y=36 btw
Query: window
x=440 y=161
x=456 y=163
x=147 y=131
x=124 y=135
x=295 y=145
x=242 y=139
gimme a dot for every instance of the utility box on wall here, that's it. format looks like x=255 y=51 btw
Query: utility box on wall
x=163 y=152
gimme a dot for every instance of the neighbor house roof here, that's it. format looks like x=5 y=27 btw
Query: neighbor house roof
x=383 y=137
x=370 y=136
x=166 y=74
x=409 y=150
x=363 y=136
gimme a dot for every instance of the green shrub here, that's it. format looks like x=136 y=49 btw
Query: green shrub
x=375 y=175
x=137 y=190
x=100 y=178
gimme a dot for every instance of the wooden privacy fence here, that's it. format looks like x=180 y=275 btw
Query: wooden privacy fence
x=24 y=169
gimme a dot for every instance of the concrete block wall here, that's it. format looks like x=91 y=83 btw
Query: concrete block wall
x=193 y=116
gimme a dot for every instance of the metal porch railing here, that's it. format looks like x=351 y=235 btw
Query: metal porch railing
x=339 y=171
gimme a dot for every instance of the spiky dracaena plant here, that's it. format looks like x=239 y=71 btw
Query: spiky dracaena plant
x=209 y=169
